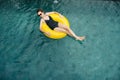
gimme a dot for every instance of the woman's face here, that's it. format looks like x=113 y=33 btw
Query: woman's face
x=40 y=13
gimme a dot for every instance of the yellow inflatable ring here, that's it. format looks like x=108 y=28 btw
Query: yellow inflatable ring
x=54 y=34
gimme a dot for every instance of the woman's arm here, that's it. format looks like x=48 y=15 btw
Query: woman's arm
x=48 y=13
x=47 y=33
x=41 y=21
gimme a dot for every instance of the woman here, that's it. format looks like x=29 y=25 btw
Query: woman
x=56 y=25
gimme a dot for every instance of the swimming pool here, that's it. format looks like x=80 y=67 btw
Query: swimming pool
x=26 y=54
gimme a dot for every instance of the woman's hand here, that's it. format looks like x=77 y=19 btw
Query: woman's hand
x=47 y=33
x=59 y=14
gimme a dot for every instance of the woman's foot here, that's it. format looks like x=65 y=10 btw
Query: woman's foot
x=80 y=38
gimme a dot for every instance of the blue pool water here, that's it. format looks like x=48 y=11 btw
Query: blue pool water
x=26 y=54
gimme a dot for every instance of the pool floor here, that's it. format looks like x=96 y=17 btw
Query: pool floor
x=26 y=54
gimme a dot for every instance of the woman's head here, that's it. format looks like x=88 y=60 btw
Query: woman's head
x=40 y=12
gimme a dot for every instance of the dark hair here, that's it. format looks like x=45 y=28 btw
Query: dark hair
x=40 y=10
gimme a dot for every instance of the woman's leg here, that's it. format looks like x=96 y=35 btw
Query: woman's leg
x=62 y=30
x=69 y=31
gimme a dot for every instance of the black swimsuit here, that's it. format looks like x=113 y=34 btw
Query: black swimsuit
x=51 y=23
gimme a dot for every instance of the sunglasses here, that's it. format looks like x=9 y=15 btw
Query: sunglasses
x=40 y=14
